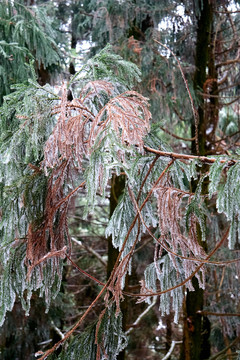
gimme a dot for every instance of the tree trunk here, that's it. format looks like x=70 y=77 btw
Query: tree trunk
x=196 y=344
x=117 y=187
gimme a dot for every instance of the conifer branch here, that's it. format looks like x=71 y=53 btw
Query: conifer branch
x=136 y=217
x=152 y=293
x=70 y=332
x=165 y=247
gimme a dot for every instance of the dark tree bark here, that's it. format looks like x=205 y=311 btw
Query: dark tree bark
x=196 y=345
x=117 y=187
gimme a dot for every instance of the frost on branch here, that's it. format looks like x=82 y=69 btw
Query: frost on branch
x=173 y=234
x=183 y=250
x=128 y=115
x=102 y=341
x=96 y=94
x=100 y=126
x=168 y=276
x=67 y=139
x=228 y=201
x=91 y=116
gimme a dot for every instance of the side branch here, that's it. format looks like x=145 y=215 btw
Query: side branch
x=203 y=159
x=217 y=314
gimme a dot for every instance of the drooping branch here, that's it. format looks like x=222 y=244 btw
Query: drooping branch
x=152 y=293
x=165 y=247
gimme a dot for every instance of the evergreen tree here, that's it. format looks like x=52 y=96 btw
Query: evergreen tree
x=53 y=147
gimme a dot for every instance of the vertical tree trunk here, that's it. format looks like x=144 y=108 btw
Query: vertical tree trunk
x=168 y=333
x=204 y=25
x=196 y=344
x=117 y=187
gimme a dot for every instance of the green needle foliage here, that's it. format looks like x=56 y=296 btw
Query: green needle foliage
x=26 y=34
x=103 y=340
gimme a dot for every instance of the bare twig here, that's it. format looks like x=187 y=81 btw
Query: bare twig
x=167 y=356
x=137 y=321
x=70 y=195
x=176 y=136
x=84 y=272
x=136 y=218
x=214 y=357
x=69 y=333
x=195 y=113
x=90 y=250
x=146 y=176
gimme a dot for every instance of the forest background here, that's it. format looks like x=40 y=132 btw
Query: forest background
x=119 y=179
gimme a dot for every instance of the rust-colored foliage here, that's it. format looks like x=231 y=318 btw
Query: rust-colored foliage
x=79 y=123
x=49 y=238
x=170 y=214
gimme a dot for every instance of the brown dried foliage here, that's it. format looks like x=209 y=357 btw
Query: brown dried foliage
x=134 y=45
x=79 y=123
x=170 y=213
x=128 y=116
x=49 y=238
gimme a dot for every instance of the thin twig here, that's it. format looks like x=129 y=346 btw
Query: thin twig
x=136 y=218
x=70 y=195
x=54 y=253
x=195 y=114
x=226 y=137
x=167 y=356
x=146 y=176
x=84 y=272
x=69 y=333
x=137 y=321
x=90 y=250
x=214 y=357
x=176 y=136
